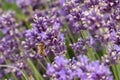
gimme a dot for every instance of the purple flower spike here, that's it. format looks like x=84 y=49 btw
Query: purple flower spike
x=82 y=69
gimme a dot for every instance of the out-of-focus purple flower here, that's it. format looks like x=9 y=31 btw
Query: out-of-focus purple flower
x=82 y=69
x=28 y=5
x=62 y=2
x=79 y=47
x=11 y=43
x=59 y=69
x=10 y=1
x=98 y=20
x=1 y=75
x=113 y=55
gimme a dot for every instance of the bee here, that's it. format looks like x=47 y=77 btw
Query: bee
x=41 y=49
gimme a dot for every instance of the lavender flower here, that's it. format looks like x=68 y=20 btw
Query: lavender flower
x=30 y=5
x=113 y=55
x=79 y=47
x=51 y=30
x=62 y=69
x=10 y=43
x=89 y=16
x=46 y=30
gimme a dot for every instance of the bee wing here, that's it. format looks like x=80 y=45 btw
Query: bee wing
x=41 y=50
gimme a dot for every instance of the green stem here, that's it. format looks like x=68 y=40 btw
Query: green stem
x=37 y=75
x=90 y=50
x=114 y=72
x=70 y=34
x=90 y=53
x=69 y=48
x=47 y=59
x=117 y=71
x=118 y=67
x=42 y=65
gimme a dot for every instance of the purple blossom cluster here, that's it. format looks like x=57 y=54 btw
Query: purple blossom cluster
x=83 y=69
x=98 y=18
x=79 y=47
x=69 y=39
x=113 y=57
x=10 y=43
x=46 y=30
x=28 y=5
x=95 y=21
